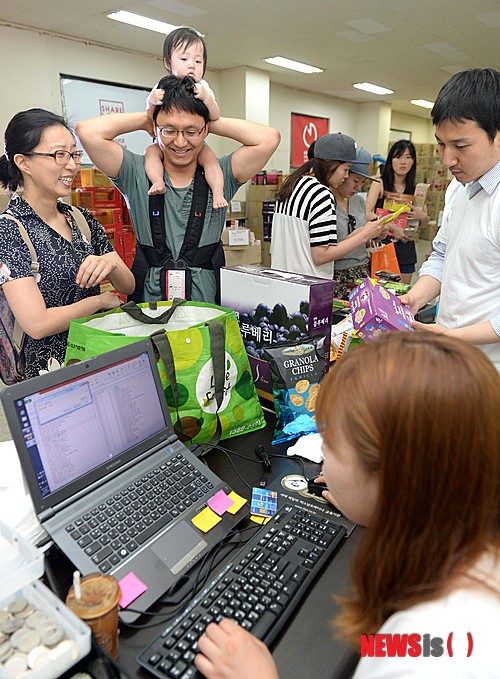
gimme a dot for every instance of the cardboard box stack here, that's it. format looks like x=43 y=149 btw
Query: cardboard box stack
x=429 y=231
x=427 y=159
x=431 y=170
x=259 y=195
x=93 y=190
x=241 y=246
x=268 y=208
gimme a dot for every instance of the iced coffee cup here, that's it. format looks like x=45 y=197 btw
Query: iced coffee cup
x=98 y=607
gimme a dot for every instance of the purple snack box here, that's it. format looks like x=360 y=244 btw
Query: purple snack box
x=376 y=310
x=274 y=307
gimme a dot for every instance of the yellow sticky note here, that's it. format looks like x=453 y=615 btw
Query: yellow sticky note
x=260 y=519
x=206 y=520
x=238 y=502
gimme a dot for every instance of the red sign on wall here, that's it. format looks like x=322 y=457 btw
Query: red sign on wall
x=305 y=130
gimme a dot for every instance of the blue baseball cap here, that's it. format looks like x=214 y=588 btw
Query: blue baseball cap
x=363 y=160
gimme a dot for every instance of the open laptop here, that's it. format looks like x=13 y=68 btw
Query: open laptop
x=110 y=481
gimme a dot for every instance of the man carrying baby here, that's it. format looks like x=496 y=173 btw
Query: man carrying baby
x=180 y=125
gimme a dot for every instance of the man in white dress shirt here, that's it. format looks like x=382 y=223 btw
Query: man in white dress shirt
x=464 y=267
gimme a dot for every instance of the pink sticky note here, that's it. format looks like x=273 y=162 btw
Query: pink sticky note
x=220 y=502
x=131 y=588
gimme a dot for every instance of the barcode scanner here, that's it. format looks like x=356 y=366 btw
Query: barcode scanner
x=315 y=488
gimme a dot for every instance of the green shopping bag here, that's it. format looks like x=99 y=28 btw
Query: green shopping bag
x=202 y=362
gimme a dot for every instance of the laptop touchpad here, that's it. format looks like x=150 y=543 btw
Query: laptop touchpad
x=178 y=547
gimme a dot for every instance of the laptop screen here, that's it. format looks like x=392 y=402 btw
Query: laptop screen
x=74 y=427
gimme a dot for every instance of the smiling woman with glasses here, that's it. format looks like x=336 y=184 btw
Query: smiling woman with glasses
x=61 y=157
x=38 y=169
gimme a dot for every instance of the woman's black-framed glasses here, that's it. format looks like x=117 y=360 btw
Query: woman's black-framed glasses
x=351 y=223
x=61 y=157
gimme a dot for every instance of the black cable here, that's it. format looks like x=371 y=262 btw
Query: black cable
x=227 y=450
x=168 y=615
x=227 y=454
x=145 y=625
x=200 y=582
x=198 y=586
x=293 y=458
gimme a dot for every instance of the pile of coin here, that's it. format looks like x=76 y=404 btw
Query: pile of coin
x=30 y=639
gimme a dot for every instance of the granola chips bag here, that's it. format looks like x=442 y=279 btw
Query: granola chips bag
x=296 y=370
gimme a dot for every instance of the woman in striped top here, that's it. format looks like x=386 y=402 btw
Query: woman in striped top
x=304 y=237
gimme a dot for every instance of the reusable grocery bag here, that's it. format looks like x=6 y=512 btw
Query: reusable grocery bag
x=383 y=258
x=202 y=362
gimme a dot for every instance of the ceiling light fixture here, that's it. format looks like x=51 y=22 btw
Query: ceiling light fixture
x=422 y=102
x=293 y=65
x=141 y=21
x=374 y=89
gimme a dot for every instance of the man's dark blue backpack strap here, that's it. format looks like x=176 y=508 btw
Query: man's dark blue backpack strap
x=159 y=254
x=196 y=217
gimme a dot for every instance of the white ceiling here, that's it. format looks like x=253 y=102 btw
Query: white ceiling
x=409 y=46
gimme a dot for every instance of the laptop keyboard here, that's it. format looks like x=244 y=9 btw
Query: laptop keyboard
x=119 y=525
x=259 y=588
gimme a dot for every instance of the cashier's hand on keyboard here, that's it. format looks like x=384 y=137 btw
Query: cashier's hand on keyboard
x=227 y=651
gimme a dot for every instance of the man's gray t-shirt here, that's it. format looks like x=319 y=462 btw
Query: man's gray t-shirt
x=133 y=183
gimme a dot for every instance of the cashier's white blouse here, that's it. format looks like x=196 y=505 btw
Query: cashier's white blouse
x=464 y=624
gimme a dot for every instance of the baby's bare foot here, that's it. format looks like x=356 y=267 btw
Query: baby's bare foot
x=219 y=201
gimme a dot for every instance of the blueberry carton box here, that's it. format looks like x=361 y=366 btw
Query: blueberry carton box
x=274 y=307
x=376 y=310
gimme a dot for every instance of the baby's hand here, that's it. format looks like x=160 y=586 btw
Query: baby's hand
x=200 y=92
x=155 y=98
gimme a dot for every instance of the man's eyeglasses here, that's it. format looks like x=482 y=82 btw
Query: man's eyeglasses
x=171 y=132
x=351 y=223
x=61 y=157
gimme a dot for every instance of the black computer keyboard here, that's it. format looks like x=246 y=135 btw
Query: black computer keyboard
x=259 y=589
x=122 y=523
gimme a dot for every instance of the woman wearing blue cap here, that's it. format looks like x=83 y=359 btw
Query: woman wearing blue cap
x=304 y=237
x=351 y=215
